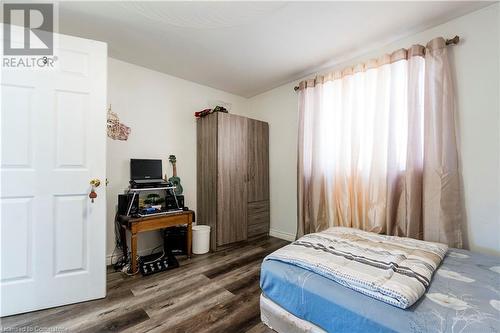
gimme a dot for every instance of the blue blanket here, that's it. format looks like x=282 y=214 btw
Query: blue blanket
x=464 y=296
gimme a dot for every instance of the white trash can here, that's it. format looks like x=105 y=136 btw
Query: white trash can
x=201 y=239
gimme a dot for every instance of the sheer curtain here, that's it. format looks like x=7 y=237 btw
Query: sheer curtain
x=377 y=148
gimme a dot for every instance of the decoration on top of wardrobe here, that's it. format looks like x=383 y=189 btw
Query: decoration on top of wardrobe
x=215 y=106
x=205 y=112
x=116 y=130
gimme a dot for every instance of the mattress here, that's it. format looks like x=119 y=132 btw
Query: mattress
x=395 y=270
x=464 y=296
x=282 y=321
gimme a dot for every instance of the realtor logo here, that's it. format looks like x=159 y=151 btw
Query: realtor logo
x=38 y=22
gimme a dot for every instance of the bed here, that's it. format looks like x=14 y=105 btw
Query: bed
x=464 y=296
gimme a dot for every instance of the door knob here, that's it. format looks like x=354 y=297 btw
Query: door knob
x=94 y=183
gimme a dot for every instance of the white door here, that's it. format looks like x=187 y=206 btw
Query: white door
x=53 y=142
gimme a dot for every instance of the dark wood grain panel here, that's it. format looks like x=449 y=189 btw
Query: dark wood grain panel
x=181 y=300
x=206 y=173
x=232 y=172
x=231 y=266
x=184 y=299
x=227 y=316
x=258 y=160
x=258 y=229
x=120 y=323
x=258 y=218
x=232 y=194
x=257 y=207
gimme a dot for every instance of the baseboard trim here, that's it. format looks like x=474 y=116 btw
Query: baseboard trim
x=282 y=235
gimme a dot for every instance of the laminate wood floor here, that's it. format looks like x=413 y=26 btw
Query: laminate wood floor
x=215 y=292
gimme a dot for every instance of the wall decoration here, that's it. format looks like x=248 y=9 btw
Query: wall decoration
x=116 y=130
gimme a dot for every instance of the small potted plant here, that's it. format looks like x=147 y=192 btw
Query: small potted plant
x=154 y=200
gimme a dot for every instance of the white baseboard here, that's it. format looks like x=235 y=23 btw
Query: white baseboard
x=282 y=235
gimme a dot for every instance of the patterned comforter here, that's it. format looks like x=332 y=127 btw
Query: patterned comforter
x=392 y=269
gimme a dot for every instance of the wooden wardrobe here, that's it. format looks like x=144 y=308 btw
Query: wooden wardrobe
x=232 y=178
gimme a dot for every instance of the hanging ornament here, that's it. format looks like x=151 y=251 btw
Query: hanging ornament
x=116 y=130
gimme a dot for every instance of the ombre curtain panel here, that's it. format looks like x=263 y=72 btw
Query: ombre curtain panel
x=377 y=148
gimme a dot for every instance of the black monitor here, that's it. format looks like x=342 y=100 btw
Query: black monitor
x=145 y=169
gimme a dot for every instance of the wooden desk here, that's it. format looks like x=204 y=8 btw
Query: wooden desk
x=141 y=224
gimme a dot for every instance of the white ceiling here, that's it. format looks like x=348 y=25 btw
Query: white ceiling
x=248 y=47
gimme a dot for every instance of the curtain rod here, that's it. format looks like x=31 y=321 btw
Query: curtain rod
x=452 y=41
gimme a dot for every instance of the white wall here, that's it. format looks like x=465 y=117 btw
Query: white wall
x=476 y=60
x=159 y=108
